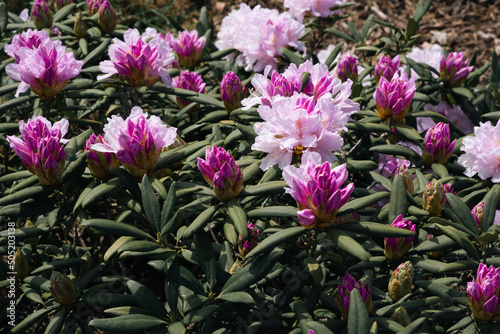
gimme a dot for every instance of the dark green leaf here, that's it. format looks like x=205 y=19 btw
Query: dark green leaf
x=463 y=212
x=358 y=320
x=146 y=298
x=348 y=244
x=200 y=222
x=273 y=211
x=362 y=202
x=398 y=204
x=275 y=240
x=114 y=228
x=60 y=264
x=151 y=205
x=206 y=256
x=375 y=229
x=239 y=218
x=127 y=324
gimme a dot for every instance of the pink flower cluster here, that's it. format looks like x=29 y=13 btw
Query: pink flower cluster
x=437 y=145
x=190 y=81
x=232 y=91
x=482 y=152
x=259 y=34
x=484 y=293
x=141 y=60
x=40 y=148
x=317 y=8
x=454 y=69
x=394 y=98
x=317 y=189
x=99 y=162
x=347 y=68
x=295 y=121
x=386 y=67
x=137 y=141
x=42 y=64
x=188 y=47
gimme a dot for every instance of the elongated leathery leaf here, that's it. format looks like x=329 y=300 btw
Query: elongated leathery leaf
x=398 y=204
x=146 y=298
x=151 y=205
x=348 y=244
x=238 y=217
x=200 y=221
x=127 y=324
x=275 y=240
x=114 y=228
x=358 y=320
x=490 y=206
x=463 y=212
x=460 y=238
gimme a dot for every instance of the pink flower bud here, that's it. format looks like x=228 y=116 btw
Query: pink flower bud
x=220 y=171
x=191 y=81
x=188 y=47
x=395 y=248
x=348 y=68
x=107 y=17
x=317 y=190
x=477 y=212
x=42 y=14
x=232 y=91
x=454 y=69
x=344 y=295
x=94 y=6
x=386 y=67
x=99 y=162
x=40 y=148
x=245 y=246
x=394 y=98
x=437 y=146
x=483 y=293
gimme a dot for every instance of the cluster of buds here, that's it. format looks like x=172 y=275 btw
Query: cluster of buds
x=191 y=81
x=386 y=67
x=62 y=288
x=348 y=68
x=40 y=148
x=188 y=47
x=477 y=212
x=483 y=293
x=220 y=171
x=245 y=246
x=137 y=141
x=42 y=15
x=99 y=162
x=107 y=17
x=454 y=70
x=317 y=189
x=407 y=177
x=344 y=296
x=434 y=199
x=437 y=146
x=58 y=4
x=393 y=98
x=232 y=91
x=395 y=248
x=401 y=281
x=141 y=60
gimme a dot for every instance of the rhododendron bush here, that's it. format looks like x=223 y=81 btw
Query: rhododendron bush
x=245 y=178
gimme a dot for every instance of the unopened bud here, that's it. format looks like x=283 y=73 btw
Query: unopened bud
x=80 y=27
x=62 y=288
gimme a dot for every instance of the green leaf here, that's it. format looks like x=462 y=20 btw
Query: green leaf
x=99 y=191
x=358 y=319
x=184 y=277
x=335 y=52
x=146 y=298
x=24 y=194
x=60 y=264
x=90 y=276
x=64 y=12
x=433 y=114
x=55 y=325
x=411 y=28
x=490 y=206
x=422 y=8
x=128 y=181
x=114 y=228
x=151 y=205
x=115 y=246
x=395 y=150
x=200 y=222
x=30 y=320
x=252 y=272
x=239 y=218
x=362 y=202
x=445 y=292
x=275 y=240
x=368 y=127
x=200 y=314
x=360 y=165
x=348 y=244
x=383 y=181
x=460 y=238
x=463 y=212
x=97 y=52
x=463 y=92
x=291 y=56
x=375 y=229
x=436 y=243
x=206 y=256
x=340 y=34
x=168 y=205
x=398 y=204
x=264 y=189
x=459 y=266
x=127 y=324
x=4 y=18
x=408 y=132
x=241 y=297
x=273 y=211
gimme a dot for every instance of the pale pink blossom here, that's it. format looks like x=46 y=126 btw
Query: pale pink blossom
x=430 y=56
x=137 y=141
x=454 y=114
x=259 y=34
x=30 y=39
x=316 y=8
x=482 y=152
x=141 y=60
x=25 y=15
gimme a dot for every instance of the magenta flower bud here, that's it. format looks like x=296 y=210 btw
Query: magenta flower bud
x=40 y=148
x=42 y=14
x=386 y=67
x=454 y=69
x=220 y=171
x=395 y=248
x=58 y=4
x=99 y=162
x=437 y=146
x=344 y=295
x=477 y=212
x=317 y=190
x=232 y=91
x=188 y=47
x=347 y=68
x=94 y=6
x=407 y=177
x=245 y=246
x=137 y=141
x=483 y=293
x=107 y=17
x=141 y=60
x=190 y=81
x=394 y=98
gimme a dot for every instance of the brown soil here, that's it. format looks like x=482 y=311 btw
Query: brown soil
x=458 y=25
